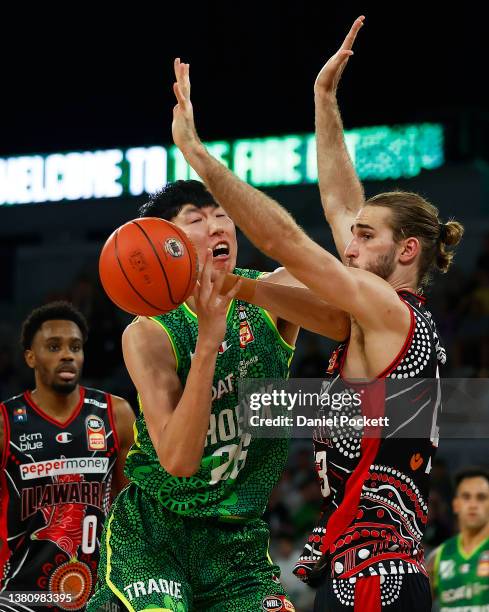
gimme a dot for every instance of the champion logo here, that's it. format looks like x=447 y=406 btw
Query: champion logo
x=64 y=437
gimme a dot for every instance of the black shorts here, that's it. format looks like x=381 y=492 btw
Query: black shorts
x=392 y=593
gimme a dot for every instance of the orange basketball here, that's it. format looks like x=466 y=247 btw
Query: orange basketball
x=148 y=266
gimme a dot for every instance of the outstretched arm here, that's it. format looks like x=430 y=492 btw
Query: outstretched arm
x=294 y=303
x=370 y=299
x=341 y=192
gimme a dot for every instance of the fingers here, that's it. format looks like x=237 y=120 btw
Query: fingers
x=218 y=280
x=179 y=95
x=205 y=278
x=196 y=291
x=352 y=34
x=233 y=292
x=182 y=75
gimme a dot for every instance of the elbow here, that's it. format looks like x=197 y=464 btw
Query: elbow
x=280 y=246
x=271 y=247
x=179 y=469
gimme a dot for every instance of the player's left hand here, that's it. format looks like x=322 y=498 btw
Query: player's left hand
x=330 y=74
x=183 y=126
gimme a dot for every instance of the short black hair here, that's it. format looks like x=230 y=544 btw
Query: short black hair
x=169 y=201
x=60 y=310
x=473 y=471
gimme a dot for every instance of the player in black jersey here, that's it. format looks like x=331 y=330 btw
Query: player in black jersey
x=366 y=552
x=62 y=448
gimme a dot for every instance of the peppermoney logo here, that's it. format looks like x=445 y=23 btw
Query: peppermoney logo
x=73 y=465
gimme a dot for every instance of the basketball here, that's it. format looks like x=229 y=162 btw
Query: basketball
x=148 y=266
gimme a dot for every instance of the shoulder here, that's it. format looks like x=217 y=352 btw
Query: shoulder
x=124 y=417
x=145 y=333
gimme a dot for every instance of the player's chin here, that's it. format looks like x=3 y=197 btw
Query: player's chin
x=65 y=387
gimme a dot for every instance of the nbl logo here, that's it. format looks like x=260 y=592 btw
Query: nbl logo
x=277 y=603
x=95 y=433
x=174 y=247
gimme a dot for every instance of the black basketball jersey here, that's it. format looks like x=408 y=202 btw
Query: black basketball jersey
x=375 y=482
x=55 y=492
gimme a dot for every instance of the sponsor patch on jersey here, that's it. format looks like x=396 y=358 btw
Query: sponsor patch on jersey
x=64 y=437
x=63 y=465
x=94 y=402
x=416 y=461
x=245 y=332
x=447 y=569
x=95 y=433
x=333 y=361
x=30 y=442
x=224 y=347
x=277 y=603
x=483 y=565
x=20 y=415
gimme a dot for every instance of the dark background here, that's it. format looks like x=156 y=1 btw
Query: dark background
x=88 y=78
x=83 y=77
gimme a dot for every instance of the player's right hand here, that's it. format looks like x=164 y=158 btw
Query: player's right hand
x=183 y=126
x=330 y=74
x=211 y=306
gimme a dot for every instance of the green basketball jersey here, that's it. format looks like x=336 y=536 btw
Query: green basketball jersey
x=462 y=581
x=237 y=472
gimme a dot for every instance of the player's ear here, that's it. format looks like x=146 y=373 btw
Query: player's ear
x=455 y=505
x=410 y=248
x=30 y=358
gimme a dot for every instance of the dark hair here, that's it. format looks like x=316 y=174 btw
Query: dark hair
x=474 y=471
x=63 y=311
x=412 y=215
x=170 y=200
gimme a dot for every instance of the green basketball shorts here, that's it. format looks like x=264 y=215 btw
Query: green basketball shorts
x=152 y=559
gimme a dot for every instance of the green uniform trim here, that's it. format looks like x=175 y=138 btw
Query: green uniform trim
x=436 y=566
x=467 y=556
x=172 y=342
x=112 y=586
x=273 y=325
x=193 y=314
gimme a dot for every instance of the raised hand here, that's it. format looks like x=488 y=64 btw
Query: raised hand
x=183 y=126
x=330 y=74
x=211 y=306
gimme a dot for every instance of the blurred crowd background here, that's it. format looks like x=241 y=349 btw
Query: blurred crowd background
x=47 y=265
x=253 y=72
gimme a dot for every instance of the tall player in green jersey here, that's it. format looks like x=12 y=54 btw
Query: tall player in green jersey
x=187 y=534
x=459 y=568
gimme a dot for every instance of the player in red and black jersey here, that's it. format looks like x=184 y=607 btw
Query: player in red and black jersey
x=63 y=448
x=368 y=553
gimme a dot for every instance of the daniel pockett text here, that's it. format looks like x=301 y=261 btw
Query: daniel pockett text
x=265 y=404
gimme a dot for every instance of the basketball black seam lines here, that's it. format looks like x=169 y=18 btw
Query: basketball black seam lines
x=159 y=261
x=191 y=259
x=158 y=308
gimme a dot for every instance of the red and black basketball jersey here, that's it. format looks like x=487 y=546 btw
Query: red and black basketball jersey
x=375 y=481
x=55 y=492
